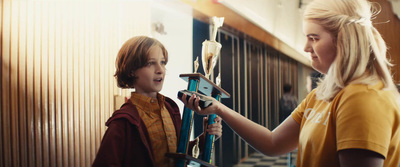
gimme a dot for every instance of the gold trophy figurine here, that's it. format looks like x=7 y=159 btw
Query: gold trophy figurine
x=210 y=49
x=218 y=80
x=196 y=64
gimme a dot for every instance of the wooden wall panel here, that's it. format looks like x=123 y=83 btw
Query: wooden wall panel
x=14 y=83
x=57 y=85
x=30 y=83
x=22 y=84
x=5 y=84
x=389 y=27
x=1 y=82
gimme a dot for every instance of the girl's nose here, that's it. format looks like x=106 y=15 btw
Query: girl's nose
x=307 y=48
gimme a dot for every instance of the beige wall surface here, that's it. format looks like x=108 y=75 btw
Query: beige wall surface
x=56 y=72
x=57 y=85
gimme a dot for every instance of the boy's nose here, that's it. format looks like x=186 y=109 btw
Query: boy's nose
x=160 y=69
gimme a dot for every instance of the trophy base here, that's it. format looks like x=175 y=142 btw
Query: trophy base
x=206 y=86
x=189 y=159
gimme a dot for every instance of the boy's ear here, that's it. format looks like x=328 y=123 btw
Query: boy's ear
x=132 y=74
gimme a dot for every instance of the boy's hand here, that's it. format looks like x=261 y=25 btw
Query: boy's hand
x=215 y=128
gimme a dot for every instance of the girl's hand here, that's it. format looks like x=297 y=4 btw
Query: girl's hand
x=193 y=104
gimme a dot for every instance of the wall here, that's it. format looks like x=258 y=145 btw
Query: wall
x=178 y=41
x=283 y=20
x=209 y=8
x=57 y=66
x=388 y=24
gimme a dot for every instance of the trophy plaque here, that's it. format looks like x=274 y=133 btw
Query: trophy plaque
x=201 y=84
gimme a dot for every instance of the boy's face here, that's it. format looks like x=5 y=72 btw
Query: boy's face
x=150 y=78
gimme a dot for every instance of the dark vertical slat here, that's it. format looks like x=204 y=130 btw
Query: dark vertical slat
x=236 y=93
x=277 y=87
x=265 y=86
x=269 y=64
x=260 y=86
x=246 y=90
x=242 y=89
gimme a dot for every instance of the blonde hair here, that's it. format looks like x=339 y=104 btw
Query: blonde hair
x=361 y=51
x=133 y=55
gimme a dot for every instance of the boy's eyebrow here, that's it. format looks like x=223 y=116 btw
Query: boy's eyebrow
x=151 y=58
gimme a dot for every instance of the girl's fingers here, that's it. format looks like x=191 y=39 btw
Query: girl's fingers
x=183 y=99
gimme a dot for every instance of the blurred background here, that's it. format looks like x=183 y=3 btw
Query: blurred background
x=58 y=61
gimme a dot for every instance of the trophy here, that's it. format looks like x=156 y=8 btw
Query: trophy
x=209 y=56
x=200 y=83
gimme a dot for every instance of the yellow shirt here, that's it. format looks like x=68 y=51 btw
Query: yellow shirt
x=159 y=126
x=359 y=117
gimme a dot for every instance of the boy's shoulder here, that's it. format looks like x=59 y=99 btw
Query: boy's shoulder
x=127 y=112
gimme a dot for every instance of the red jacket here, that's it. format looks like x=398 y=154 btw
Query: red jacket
x=127 y=142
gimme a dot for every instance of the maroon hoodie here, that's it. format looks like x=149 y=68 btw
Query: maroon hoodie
x=127 y=142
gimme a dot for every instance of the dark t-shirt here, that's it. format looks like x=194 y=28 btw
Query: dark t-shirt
x=287 y=104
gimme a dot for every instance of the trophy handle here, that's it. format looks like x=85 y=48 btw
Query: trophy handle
x=209 y=141
x=186 y=126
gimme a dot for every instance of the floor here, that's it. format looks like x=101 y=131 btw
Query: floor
x=260 y=160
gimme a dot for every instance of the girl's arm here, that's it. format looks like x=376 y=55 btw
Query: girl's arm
x=282 y=140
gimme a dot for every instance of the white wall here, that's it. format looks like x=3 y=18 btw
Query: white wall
x=178 y=25
x=396 y=7
x=282 y=18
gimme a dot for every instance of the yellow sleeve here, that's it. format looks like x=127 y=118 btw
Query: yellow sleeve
x=363 y=122
x=298 y=113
